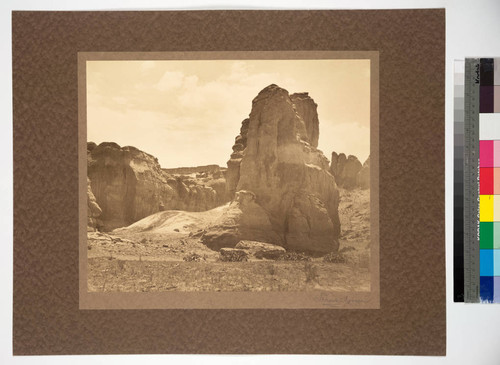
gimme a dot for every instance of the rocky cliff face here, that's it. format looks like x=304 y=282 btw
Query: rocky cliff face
x=276 y=160
x=129 y=185
x=94 y=211
x=212 y=176
x=350 y=173
x=206 y=169
x=233 y=165
x=242 y=219
x=347 y=170
x=337 y=166
x=307 y=109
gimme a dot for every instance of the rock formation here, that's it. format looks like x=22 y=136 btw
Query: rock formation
x=208 y=169
x=276 y=160
x=363 y=178
x=212 y=176
x=233 y=165
x=219 y=186
x=244 y=218
x=93 y=210
x=308 y=110
x=345 y=170
x=337 y=166
x=261 y=250
x=129 y=184
x=350 y=173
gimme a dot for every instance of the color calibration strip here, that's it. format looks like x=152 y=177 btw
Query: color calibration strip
x=458 y=181
x=477 y=186
x=489 y=180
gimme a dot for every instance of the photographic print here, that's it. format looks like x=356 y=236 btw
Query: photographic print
x=173 y=195
x=229 y=180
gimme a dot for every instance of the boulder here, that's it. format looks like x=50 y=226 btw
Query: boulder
x=288 y=176
x=103 y=239
x=261 y=250
x=233 y=254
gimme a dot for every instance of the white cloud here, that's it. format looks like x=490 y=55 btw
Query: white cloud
x=232 y=91
x=190 y=81
x=170 y=80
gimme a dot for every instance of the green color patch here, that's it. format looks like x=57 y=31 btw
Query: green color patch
x=486 y=234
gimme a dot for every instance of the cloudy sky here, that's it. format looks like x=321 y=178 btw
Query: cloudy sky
x=187 y=113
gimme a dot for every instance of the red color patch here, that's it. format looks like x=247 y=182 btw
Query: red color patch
x=486 y=179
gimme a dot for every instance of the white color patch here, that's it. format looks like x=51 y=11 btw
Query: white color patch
x=489 y=126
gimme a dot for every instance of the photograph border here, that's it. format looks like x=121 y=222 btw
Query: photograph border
x=231 y=300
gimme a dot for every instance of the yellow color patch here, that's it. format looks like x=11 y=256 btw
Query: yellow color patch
x=486 y=208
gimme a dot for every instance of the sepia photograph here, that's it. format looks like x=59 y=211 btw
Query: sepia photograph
x=230 y=176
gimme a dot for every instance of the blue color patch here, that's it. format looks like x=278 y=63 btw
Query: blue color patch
x=486 y=263
x=486 y=288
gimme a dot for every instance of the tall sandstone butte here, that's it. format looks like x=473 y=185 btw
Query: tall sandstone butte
x=129 y=184
x=275 y=159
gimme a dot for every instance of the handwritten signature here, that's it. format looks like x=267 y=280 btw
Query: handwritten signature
x=334 y=300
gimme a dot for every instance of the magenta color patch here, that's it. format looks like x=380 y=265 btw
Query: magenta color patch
x=486 y=155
